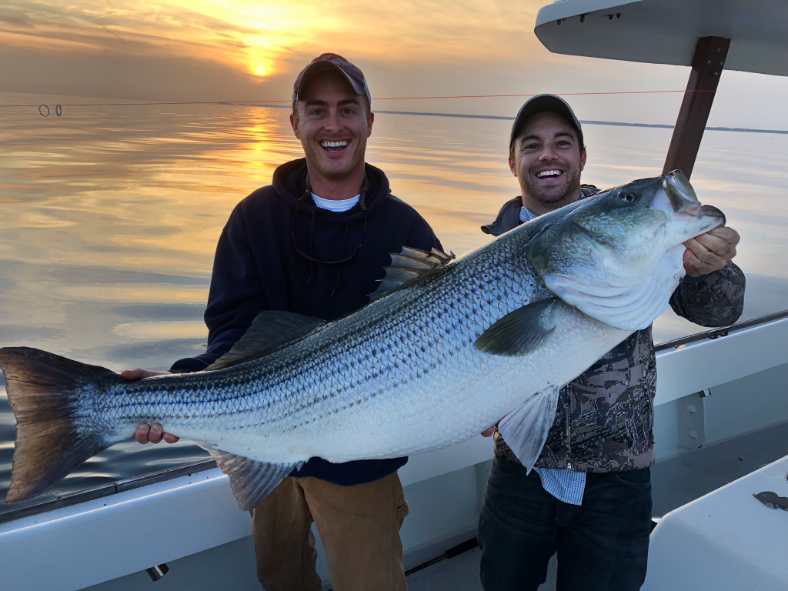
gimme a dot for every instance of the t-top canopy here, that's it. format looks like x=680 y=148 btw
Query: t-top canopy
x=667 y=31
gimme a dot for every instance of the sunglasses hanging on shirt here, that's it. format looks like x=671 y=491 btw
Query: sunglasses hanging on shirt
x=307 y=194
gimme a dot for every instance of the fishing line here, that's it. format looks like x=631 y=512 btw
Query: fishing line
x=408 y=98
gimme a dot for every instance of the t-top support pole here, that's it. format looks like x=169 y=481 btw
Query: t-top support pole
x=707 y=65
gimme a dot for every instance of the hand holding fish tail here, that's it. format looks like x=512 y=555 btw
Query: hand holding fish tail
x=711 y=251
x=146 y=433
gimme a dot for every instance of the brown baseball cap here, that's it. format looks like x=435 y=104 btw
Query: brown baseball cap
x=541 y=104
x=328 y=61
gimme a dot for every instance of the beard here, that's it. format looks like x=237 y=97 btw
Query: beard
x=334 y=170
x=570 y=183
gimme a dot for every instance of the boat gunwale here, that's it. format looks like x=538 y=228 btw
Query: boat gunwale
x=106 y=490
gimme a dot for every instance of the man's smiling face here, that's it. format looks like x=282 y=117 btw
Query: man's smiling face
x=333 y=124
x=547 y=159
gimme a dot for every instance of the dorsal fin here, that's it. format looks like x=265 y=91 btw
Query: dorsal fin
x=269 y=330
x=408 y=265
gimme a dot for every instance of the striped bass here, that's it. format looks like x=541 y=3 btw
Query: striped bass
x=445 y=349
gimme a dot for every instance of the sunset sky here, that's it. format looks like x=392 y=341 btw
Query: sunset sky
x=182 y=50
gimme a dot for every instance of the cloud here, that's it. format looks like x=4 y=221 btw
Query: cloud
x=144 y=77
x=144 y=28
x=99 y=46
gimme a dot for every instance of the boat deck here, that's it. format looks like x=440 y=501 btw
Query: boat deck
x=676 y=482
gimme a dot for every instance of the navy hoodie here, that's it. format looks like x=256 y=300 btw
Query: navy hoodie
x=256 y=268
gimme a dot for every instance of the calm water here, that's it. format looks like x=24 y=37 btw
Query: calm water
x=109 y=217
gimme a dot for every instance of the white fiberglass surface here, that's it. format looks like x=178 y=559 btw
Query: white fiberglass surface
x=110 y=217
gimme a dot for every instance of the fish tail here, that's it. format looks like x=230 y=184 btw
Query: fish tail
x=43 y=389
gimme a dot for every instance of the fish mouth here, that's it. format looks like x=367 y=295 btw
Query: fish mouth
x=687 y=218
x=684 y=201
x=680 y=193
x=681 y=199
x=714 y=214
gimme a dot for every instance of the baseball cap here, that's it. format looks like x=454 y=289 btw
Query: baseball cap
x=328 y=61
x=540 y=104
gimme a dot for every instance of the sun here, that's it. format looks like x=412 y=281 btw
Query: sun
x=261 y=66
x=260 y=59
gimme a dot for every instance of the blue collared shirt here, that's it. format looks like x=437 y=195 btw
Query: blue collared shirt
x=526 y=215
x=565 y=485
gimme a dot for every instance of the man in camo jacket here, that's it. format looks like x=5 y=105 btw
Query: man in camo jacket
x=589 y=497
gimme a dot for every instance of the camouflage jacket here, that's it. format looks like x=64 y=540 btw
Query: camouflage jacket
x=605 y=417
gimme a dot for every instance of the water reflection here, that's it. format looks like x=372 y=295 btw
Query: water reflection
x=110 y=217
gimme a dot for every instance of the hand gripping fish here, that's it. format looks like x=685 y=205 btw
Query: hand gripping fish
x=445 y=349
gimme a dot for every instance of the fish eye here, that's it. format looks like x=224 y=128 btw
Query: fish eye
x=628 y=197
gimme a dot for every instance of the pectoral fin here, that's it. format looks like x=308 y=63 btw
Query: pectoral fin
x=250 y=481
x=521 y=331
x=525 y=429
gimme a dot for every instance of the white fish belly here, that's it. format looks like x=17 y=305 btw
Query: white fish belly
x=469 y=393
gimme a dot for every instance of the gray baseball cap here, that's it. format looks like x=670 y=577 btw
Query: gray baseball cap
x=540 y=104
x=329 y=61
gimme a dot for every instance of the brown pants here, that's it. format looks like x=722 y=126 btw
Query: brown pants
x=359 y=526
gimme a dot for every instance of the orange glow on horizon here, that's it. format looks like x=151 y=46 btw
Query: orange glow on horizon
x=267 y=38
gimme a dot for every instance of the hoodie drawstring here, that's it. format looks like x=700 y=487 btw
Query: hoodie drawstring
x=312 y=268
x=311 y=256
x=339 y=270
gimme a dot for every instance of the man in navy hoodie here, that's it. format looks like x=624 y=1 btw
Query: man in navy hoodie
x=315 y=242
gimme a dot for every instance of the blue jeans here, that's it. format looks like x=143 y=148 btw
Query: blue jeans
x=602 y=545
